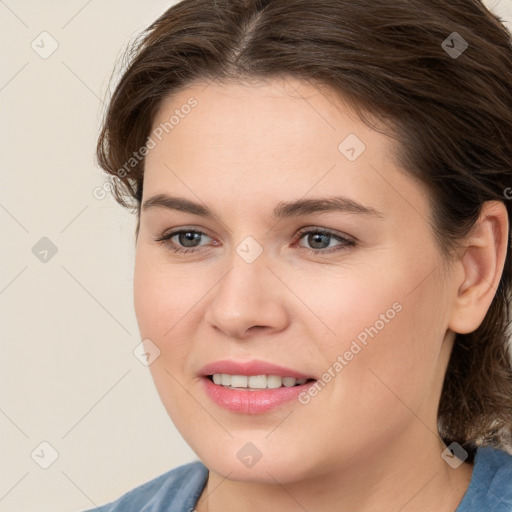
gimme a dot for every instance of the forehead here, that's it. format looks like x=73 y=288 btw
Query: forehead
x=281 y=137
x=280 y=114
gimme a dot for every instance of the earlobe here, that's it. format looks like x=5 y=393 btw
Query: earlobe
x=481 y=267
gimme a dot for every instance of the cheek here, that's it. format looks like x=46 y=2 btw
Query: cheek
x=349 y=304
x=162 y=299
x=397 y=365
x=163 y=295
x=169 y=304
x=149 y=299
x=385 y=335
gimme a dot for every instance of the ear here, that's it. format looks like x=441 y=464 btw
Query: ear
x=481 y=267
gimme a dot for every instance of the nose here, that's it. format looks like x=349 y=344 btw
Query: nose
x=248 y=300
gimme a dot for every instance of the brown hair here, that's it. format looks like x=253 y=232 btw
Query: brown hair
x=400 y=60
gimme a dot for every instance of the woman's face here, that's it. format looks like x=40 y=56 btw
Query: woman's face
x=349 y=292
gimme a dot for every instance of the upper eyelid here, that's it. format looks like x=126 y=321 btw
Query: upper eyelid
x=313 y=229
x=300 y=231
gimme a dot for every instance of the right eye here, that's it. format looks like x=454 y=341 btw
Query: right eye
x=183 y=240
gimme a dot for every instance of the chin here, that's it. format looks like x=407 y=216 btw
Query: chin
x=241 y=460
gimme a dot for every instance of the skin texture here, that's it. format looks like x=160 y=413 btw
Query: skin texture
x=368 y=441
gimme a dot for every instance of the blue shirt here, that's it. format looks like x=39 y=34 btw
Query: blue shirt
x=178 y=490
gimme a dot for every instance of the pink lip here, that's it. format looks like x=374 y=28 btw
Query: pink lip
x=251 y=402
x=254 y=367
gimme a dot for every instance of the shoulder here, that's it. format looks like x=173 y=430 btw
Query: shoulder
x=176 y=490
x=491 y=483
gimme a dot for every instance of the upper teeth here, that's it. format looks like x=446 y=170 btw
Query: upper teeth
x=255 y=381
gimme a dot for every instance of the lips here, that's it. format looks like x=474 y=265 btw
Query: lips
x=249 y=368
x=252 y=401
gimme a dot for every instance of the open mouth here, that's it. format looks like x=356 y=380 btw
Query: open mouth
x=255 y=382
x=257 y=393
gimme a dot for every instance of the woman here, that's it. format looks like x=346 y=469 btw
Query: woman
x=322 y=276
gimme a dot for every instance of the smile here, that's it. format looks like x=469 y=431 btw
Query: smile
x=254 y=382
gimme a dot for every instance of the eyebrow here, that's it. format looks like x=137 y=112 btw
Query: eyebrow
x=281 y=211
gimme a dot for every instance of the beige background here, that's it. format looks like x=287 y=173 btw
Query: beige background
x=68 y=373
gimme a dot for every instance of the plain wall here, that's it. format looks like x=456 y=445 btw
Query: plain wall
x=68 y=374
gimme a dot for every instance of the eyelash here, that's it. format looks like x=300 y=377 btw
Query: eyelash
x=344 y=242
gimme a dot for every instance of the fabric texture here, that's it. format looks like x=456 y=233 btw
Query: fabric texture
x=490 y=488
x=175 y=491
x=178 y=490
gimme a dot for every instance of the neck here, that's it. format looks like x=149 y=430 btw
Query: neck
x=408 y=475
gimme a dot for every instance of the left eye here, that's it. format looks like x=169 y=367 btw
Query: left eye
x=319 y=240
x=184 y=241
